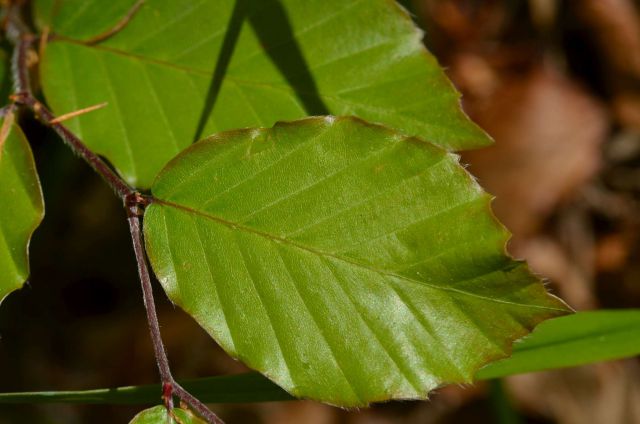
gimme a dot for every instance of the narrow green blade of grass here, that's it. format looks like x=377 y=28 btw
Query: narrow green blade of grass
x=248 y=387
x=583 y=338
x=503 y=410
x=570 y=341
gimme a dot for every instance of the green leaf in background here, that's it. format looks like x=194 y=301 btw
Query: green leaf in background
x=21 y=209
x=160 y=415
x=183 y=69
x=346 y=262
x=579 y=339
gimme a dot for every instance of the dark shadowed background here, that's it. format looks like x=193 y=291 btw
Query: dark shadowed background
x=556 y=83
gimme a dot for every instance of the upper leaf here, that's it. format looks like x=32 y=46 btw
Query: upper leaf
x=183 y=69
x=347 y=263
x=21 y=209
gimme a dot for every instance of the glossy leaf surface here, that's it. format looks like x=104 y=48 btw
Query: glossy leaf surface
x=180 y=70
x=21 y=209
x=344 y=261
x=160 y=415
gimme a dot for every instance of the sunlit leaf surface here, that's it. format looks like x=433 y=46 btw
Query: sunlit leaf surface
x=180 y=70
x=346 y=262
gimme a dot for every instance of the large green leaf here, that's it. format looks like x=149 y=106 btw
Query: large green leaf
x=183 y=69
x=346 y=262
x=21 y=209
x=160 y=415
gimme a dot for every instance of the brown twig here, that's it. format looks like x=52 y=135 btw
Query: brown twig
x=117 y=27
x=195 y=404
x=133 y=212
x=169 y=385
x=118 y=185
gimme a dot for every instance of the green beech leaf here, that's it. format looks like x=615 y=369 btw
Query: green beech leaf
x=160 y=415
x=21 y=209
x=183 y=69
x=346 y=262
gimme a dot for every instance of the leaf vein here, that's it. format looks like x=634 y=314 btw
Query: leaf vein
x=404 y=369
x=316 y=183
x=319 y=327
x=207 y=260
x=237 y=226
x=264 y=305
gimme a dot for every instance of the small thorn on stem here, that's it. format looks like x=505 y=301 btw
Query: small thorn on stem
x=79 y=112
x=44 y=39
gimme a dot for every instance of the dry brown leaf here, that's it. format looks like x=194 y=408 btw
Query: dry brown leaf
x=548 y=134
x=595 y=394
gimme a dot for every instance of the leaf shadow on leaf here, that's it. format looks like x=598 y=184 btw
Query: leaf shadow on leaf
x=278 y=40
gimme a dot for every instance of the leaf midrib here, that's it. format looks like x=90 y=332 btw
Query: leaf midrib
x=236 y=226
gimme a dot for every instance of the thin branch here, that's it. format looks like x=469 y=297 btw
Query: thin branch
x=147 y=293
x=195 y=404
x=19 y=64
x=169 y=385
x=118 y=185
x=117 y=27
